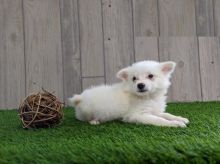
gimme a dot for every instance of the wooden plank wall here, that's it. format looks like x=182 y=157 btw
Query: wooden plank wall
x=66 y=46
x=12 y=67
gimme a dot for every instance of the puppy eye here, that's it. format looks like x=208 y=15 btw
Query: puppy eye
x=150 y=76
x=134 y=78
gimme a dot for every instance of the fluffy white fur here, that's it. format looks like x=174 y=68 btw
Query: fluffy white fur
x=139 y=98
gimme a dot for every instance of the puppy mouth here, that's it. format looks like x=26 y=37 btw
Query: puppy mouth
x=142 y=91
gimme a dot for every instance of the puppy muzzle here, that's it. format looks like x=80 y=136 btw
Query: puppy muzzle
x=141 y=87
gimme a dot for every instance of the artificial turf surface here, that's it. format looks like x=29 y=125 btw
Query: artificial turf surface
x=115 y=142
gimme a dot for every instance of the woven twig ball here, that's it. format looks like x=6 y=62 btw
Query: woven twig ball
x=40 y=110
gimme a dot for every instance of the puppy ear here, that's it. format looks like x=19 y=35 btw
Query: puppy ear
x=168 y=67
x=75 y=100
x=123 y=74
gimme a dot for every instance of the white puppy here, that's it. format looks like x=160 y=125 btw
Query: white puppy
x=139 y=98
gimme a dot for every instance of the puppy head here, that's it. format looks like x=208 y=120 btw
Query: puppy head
x=147 y=77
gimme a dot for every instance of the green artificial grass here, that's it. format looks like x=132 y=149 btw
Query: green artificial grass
x=115 y=142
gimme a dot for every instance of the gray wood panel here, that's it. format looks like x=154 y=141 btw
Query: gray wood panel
x=92 y=81
x=177 y=18
x=145 y=29
x=118 y=36
x=204 y=18
x=186 y=78
x=68 y=45
x=12 y=72
x=217 y=16
x=91 y=37
x=43 y=46
x=145 y=18
x=209 y=48
x=146 y=48
x=70 y=48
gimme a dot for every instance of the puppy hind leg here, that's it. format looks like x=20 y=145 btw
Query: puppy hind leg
x=152 y=120
x=94 y=122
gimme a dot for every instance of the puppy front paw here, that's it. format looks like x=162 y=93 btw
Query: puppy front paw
x=184 y=120
x=178 y=124
x=94 y=122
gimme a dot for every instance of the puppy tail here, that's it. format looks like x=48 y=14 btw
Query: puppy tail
x=75 y=100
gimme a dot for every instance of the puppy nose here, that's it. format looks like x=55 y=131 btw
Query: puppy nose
x=141 y=86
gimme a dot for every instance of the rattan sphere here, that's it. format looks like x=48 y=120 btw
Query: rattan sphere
x=41 y=110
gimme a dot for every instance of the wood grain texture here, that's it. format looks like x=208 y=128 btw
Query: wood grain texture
x=145 y=29
x=216 y=4
x=43 y=46
x=204 y=18
x=68 y=45
x=70 y=48
x=145 y=18
x=92 y=81
x=177 y=18
x=91 y=37
x=118 y=36
x=186 y=78
x=209 y=48
x=12 y=67
x=146 y=48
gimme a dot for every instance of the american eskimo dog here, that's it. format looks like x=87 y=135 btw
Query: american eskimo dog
x=139 y=98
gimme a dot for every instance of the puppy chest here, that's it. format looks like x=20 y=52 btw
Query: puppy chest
x=147 y=105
